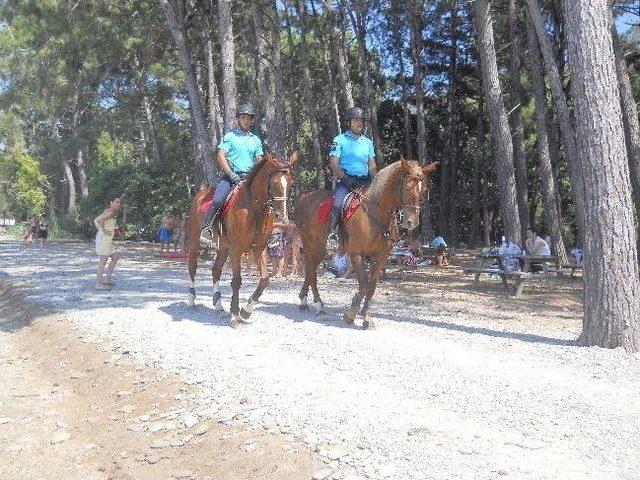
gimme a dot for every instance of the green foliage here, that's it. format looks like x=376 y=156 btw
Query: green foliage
x=147 y=193
x=23 y=185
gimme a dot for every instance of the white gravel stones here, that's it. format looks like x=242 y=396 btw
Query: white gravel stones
x=322 y=474
x=190 y=421
x=442 y=362
x=59 y=437
x=5 y=420
x=201 y=430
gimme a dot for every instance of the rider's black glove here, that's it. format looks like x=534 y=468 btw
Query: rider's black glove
x=234 y=177
x=349 y=182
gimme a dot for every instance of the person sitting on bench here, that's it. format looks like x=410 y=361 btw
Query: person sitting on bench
x=536 y=246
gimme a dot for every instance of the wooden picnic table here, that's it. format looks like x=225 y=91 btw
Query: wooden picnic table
x=520 y=277
x=525 y=260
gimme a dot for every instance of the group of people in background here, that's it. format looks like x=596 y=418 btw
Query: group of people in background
x=36 y=231
x=173 y=231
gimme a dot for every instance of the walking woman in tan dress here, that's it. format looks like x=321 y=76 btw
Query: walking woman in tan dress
x=106 y=224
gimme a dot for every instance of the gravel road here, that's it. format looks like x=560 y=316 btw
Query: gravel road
x=453 y=383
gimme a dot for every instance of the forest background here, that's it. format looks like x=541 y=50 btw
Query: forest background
x=130 y=98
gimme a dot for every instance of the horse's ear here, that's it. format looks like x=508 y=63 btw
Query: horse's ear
x=404 y=163
x=431 y=167
x=293 y=158
x=269 y=158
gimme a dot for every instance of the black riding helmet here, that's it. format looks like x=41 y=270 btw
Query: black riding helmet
x=357 y=113
x=246 y=109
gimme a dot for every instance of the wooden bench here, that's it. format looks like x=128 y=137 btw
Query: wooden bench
x=519 y=277
x=564 y=269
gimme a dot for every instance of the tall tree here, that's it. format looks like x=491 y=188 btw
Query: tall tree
x=416 y=15
x=227 y=49
x=175 y=21
x=339 y=54
x=448 y=186
x=519 y=157
x=611 y=273
x=562 y=111
x=216 y=122
x=630 y=117
x=500 y=133
x=358 y=13
x=301 y=9
x=397 y=17
x=549 y=194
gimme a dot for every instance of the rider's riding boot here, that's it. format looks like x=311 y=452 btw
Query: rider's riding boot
x=209 y=217
x=333 y=221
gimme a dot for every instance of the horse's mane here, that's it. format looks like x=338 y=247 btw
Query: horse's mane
x=382 y=179
x=254 y=171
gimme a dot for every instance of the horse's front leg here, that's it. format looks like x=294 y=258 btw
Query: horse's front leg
x=236 y=282
x=261 y=260
x=216 y=273
x=361 y=275
x=374 y=275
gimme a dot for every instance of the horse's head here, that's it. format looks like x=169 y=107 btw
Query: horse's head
x=279 y=185
x=414 y=184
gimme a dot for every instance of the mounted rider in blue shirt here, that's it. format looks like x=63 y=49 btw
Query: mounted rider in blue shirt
x=352 y=159
x=238 y=151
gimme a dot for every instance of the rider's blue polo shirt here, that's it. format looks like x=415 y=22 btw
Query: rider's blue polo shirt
x=353 y=153
x=241 y=149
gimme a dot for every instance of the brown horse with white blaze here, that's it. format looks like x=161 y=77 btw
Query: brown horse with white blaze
x=246 y=226
x=369 y=233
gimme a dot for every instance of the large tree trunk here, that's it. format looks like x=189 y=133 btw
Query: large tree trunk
x=501 y=135
x=301 y=10
x=156 y=144
x=519 y=157
x=415 y=25
x=448 y=176
x=71 y=188
x=82 y=173
x=549 y=194
x=278 y=129
x=611 y=274
x=326 y=61
x=339 y=55
x=478 y=160
x=358 y=18
x=216 y=122
x=175 y=21
x=562 y=110
x=264 y=72
x=227 y=48
x=630 y=117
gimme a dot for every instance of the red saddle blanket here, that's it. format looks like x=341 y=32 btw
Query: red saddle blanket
x=228 y=204
x=353 y=202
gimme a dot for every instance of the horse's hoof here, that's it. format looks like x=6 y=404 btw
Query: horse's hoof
x=191 y=301
x=318 y=307
x=247 y=310
x=233 y=323
x=348 y=318
x=368 y=325
x=303 y=304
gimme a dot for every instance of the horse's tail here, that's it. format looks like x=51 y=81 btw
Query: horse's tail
x=193 y=231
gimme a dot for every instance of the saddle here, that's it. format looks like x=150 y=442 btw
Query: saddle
x=351 y=203
x=228 y=204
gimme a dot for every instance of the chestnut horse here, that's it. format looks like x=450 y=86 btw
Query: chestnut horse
x=369 y=233
x=246 y=226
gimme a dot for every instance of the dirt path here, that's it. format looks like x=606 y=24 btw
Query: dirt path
x=76 y=410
